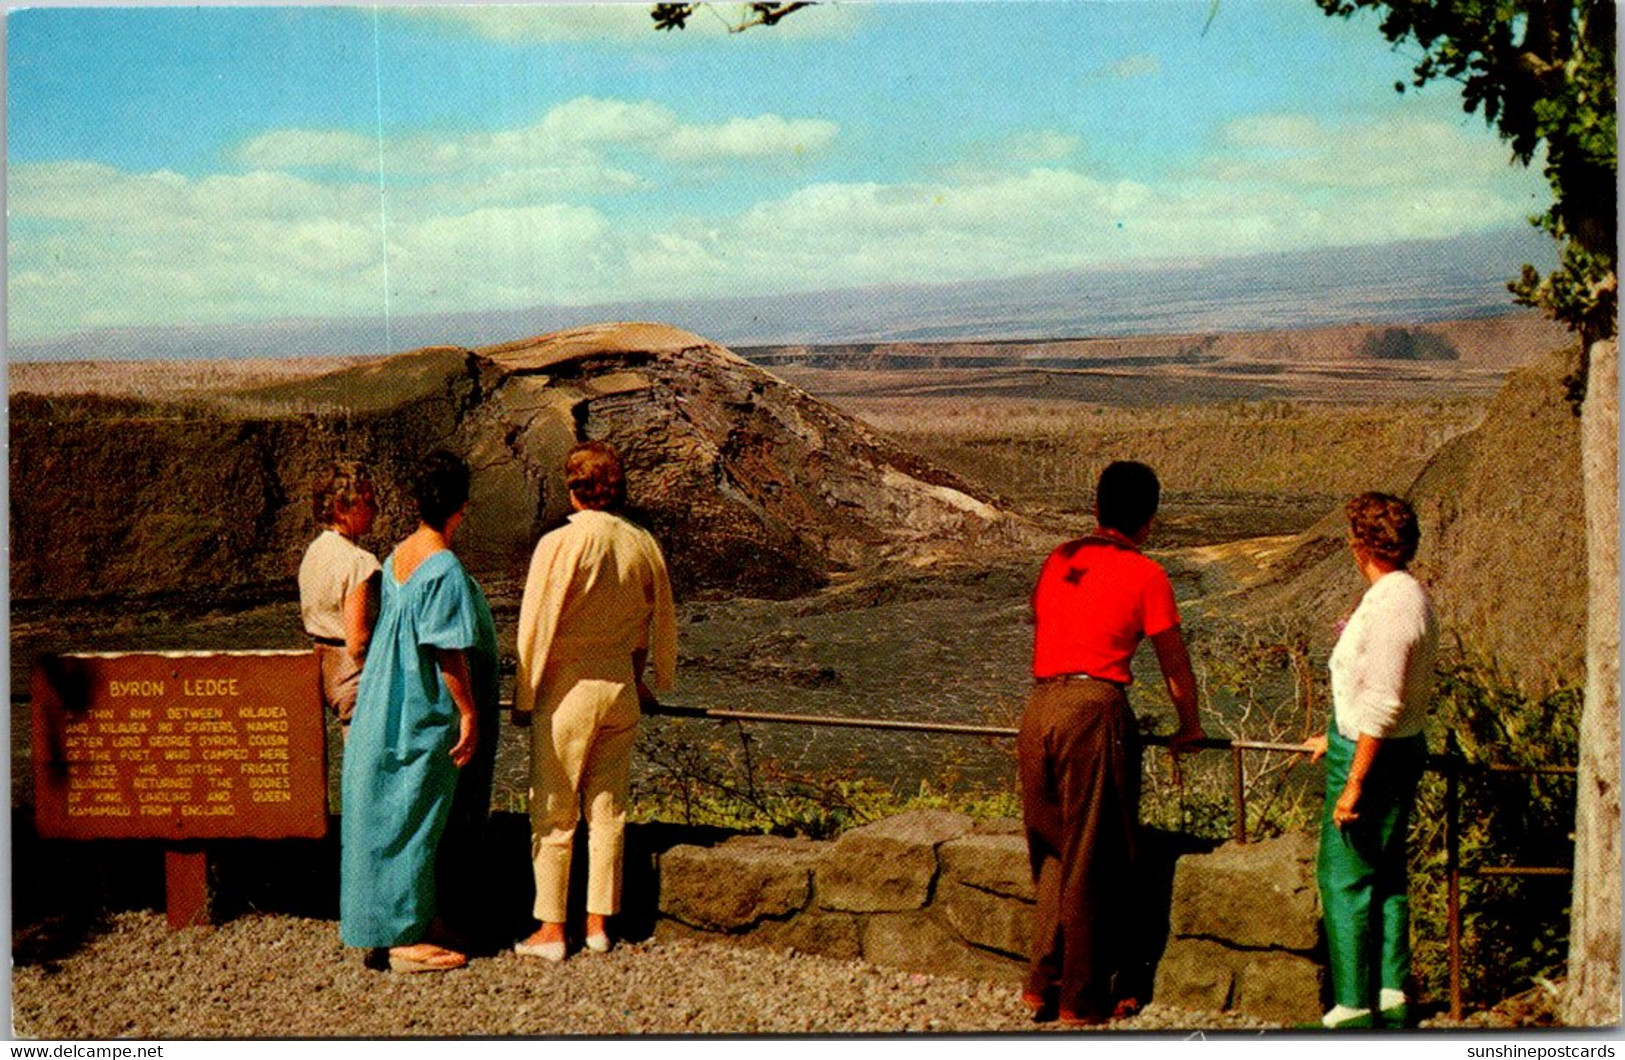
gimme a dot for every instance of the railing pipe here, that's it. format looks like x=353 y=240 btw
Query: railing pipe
x=899 y=724
x=1450 y=764
x=953 y=728
x=1239 y=790
x=1452 y=856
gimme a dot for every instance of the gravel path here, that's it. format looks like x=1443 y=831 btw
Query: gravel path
x=286 y=977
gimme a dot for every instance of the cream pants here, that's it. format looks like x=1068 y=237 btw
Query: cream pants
x=581 y=754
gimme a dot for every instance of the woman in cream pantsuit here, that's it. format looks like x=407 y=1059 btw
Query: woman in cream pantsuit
x=597 y=610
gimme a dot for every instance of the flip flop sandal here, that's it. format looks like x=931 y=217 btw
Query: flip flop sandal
x=443 y=961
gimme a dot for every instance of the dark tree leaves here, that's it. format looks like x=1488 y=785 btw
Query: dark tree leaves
x=676 y=16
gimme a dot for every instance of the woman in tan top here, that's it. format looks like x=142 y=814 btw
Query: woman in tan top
x=338 y=583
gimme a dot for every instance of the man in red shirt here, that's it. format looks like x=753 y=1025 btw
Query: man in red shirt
x=1079 y=747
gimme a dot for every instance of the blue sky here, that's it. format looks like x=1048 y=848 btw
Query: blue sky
x=226 y=165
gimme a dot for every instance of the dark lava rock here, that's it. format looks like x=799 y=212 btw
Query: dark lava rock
x=753 y=487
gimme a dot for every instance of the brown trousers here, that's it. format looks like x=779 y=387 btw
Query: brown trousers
x=1078 y=754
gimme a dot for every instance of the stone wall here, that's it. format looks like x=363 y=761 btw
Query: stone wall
x=1244 y=932
x=1236 y=928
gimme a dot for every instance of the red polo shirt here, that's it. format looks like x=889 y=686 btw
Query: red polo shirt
x=1095 y=599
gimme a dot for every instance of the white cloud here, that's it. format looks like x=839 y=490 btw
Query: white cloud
x=588 y=120
x=91 y=247
x=508 y=186
x=523 y=216
x=1277 y=183
x=569 y=141
x=842 y=234
x=1398 y=153
x=295 y=148
x=1280 y=131
x=110 y=202
x=764 y=136
x=500 y=257
x=1045 y=145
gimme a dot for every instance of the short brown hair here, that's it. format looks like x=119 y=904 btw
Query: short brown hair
x=595 y=475
x=440 y=487
x=1385 y=526
x=339 y=486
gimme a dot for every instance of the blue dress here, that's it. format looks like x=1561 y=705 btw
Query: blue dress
x=399 y=778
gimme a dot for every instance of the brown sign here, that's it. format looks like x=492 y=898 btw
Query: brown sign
x=179 y=745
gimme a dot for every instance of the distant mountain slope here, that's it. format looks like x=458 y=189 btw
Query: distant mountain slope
x=1405 y=283
x=1503 y=539
x=1498 y=342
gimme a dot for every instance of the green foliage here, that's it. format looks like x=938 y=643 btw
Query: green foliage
x=1264 y=683
x=1258 y=683
x=1542 y=74
x=709 y=773
x=1514 y=928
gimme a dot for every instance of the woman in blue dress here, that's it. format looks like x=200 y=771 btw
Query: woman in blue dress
x=431 y=677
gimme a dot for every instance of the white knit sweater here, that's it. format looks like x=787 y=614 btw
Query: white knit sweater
x=1382 y=667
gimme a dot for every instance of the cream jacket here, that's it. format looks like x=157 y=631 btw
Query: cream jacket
x=597 y=590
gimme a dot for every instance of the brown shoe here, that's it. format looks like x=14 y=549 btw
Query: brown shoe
x=1074 y=1019
x=1042 y=1006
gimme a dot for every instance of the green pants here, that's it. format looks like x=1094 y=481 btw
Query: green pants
x=1361 y=871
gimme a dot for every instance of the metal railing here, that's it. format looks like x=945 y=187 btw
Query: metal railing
x=1451 y=764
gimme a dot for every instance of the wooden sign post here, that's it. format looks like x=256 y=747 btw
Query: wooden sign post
x=180 y=747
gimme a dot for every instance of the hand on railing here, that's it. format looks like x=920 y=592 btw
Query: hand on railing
x=1185 y=739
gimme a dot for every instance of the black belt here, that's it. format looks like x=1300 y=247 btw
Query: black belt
x=1060 y=679
x=331 y=642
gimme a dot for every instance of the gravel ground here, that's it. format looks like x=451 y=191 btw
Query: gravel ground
x=267 y=976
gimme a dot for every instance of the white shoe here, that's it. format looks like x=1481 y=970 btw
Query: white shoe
x=598 y=943
x=1341 y=1017
x=547 y=951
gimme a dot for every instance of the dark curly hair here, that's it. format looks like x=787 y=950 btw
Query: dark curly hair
x=1385 y=527
x=1127 y=496
x=338 y=487
x=595 y=475
x=440 y=487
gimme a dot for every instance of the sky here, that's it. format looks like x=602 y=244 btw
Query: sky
x=228 y=165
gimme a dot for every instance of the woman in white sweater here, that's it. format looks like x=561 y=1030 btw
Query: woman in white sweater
x=1382 y=680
